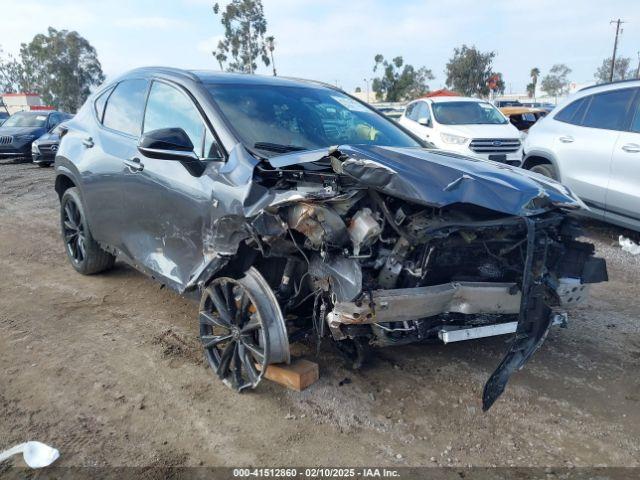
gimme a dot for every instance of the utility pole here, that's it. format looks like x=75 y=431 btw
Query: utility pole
x=638 y=69
x=615 y=46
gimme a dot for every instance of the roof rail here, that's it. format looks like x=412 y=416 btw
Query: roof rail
x=169 y=70
x=610 y=83
x=316 y=82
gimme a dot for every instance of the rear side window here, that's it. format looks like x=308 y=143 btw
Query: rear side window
x=608 y=110
x=168 y=107
x=100 y=103
x=572 y=113
x=125 y=107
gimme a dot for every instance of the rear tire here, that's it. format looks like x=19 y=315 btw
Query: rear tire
x=43 y=165
x=545 y=169
x=83 y=251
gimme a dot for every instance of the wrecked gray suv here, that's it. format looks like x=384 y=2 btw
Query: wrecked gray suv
x=295 y=211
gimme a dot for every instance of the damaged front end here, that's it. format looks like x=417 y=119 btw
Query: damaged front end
x=376 y=246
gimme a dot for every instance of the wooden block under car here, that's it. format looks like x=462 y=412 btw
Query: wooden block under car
x=298 y=375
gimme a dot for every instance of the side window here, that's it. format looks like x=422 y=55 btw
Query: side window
x=168 y=107
x=423 y=111
x=100 y=103
x=410 y=109
x=608 y=110
x=54 y=120
x=570 y=113
x=125 y=107
x=211 y=148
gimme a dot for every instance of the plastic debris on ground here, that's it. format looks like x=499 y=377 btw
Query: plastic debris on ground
x=35 y=454
x=629 y=245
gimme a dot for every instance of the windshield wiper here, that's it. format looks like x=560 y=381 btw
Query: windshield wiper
x=279 y=148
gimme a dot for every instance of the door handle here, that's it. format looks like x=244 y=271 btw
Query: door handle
x=631 y=148
x=88 y=142
x=566 y=139
x=134 y=165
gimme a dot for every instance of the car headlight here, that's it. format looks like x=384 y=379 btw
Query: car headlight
x=34 y=148
x=454 y=139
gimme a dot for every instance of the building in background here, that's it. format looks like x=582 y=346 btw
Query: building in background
x=20 y=102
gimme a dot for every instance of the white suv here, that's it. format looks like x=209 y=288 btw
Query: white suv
x=464 y=125
x=591 y=143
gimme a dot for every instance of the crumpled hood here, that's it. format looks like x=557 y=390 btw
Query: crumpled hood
x=437 y=178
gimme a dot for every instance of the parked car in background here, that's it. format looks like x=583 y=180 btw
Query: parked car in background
x=591 y=143
x=45 y=148
x=523 y=118
x=507 y=103
x=468 y=126
x=20 y=130
x=547 y=107
x=393 y=113
x=3 y=117
x=290 y=224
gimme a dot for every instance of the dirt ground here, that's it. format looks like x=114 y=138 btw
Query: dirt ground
x=108 y=370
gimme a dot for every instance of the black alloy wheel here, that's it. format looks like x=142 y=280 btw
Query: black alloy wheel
x=233 y=333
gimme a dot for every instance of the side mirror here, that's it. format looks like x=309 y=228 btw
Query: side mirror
x=167 y=144
x=425 y=122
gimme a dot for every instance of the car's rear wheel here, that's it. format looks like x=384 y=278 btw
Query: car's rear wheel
x=83 y=251
x=43 y=164
x=242 y=329
x=545 y=169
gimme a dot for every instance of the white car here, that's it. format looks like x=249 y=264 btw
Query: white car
x=591 y=143
x=464 y=125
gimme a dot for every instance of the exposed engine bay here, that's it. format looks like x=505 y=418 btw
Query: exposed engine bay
x=351 y=253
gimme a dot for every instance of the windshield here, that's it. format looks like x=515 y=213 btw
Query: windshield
x=467 y=113
x=25 y=120
x=280 y=119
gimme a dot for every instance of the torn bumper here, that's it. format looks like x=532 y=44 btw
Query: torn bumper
x=414 y=303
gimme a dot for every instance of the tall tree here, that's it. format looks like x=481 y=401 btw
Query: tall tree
x=621 y=70
x=556 y=82
x=245 y=28
x=469 y=71
x=531 y=87
x=12 y=75
x=399 y=81
x=61 y=66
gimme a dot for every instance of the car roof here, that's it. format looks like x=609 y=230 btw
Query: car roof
x=217 y=77
x=629 y=83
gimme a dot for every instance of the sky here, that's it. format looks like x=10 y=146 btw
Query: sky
x=336 y=40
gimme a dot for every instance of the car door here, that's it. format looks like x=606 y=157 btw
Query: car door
x=108 y=145
x=585 y=142
x=168 y=201
x=623 y=194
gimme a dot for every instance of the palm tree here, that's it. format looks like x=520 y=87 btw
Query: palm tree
x=535 y=73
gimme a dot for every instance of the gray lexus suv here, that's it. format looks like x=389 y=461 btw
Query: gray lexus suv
x=295 y=212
